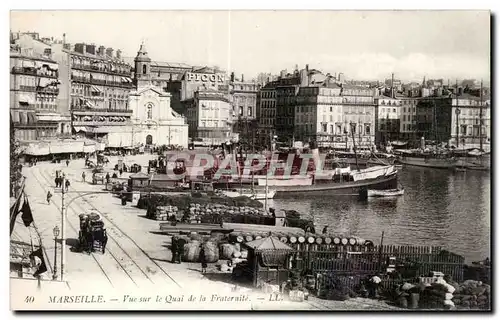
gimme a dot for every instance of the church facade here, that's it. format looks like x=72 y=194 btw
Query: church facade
x=154 y=122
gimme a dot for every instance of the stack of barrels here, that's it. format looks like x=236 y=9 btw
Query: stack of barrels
x=294 y=238
x=164 y=212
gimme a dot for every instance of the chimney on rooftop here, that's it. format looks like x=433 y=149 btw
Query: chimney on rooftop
x=283 y=74
x=80 y=48
x=101 y=51
x=242 y=77
x=109 y=52
x=118 y=54
x=90 y=49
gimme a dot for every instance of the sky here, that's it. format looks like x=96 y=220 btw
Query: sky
x=364 y=45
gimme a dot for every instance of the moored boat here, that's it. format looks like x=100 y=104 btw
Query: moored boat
x=386 y=193
x=427 y=159
x=252 y=194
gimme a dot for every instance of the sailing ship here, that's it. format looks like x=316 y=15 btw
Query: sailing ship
x=339 y=180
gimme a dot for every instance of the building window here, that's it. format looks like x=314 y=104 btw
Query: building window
x=249 y=111
x=241 y=110
x=144 y=69
x=367 y=130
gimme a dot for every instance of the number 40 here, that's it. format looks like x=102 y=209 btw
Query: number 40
x=29 y=299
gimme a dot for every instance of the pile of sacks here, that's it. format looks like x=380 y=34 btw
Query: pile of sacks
x=472 y=294
x=444 y=294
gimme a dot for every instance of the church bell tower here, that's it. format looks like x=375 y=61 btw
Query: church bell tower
x=142 y=75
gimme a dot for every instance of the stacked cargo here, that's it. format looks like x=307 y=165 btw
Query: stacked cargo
x=163 y=213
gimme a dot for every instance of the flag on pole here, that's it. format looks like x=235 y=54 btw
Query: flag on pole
x=37 y=256
x=27 y=215
x=14 y=212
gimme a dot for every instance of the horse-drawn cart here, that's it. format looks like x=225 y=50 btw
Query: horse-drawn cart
x=92 y=235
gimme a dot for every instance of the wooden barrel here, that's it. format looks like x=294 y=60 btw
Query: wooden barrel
x=226 y=251
x=191 y=252
x=369 y=243
x=211 y=251
x=353 y=241
x=360 y=241
x=240 y=238
x=237 y=247
x=257 y=237
x=248 y=237
x=196 y=236
x=336 y=240
x=328 y=240
x=310 y=239
x=344 y=241
x=236 y=254
x=283 y=239
x=293 y=239
x=301 y=239
x=319 y=240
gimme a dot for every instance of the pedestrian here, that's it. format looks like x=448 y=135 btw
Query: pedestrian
x=173 y=248
x=67 y=185
x=121 y=171
x=180 y=249
x=107 y=179
x=49 y=196
x=57 y=173
x=83 y=176
x=56 y=180
x=325 y=230
x=67 y=163
x=203 y=260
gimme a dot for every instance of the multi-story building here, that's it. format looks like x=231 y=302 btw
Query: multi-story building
x=100 y=83
x=266 y=112
x=462 y=119
x=34 y=88
x=408 y=120
x=387 y=119
x=318 y=115
x=209 y=116
x=243 y=96
x=359 y=116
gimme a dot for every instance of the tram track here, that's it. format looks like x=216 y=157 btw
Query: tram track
x=95 y=257
x=114 y=232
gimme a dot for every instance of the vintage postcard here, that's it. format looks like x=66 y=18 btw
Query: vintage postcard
x=250 y=160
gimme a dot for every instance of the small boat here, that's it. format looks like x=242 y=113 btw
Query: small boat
x=252 y=194
x=386 y=193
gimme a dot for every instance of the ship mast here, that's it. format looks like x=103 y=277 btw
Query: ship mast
x=481 y=118
x=354 y=146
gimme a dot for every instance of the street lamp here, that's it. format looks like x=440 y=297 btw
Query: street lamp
x=56 y=235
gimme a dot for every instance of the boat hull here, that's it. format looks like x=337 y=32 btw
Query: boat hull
x=351 y=188
x=385 y=193
x=428 y=162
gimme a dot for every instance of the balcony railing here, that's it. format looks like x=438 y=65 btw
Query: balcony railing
x=103 y=82
x=100 y=70
x=27 y=88
x=90 y=110
x=34 y=72
x=48 y=90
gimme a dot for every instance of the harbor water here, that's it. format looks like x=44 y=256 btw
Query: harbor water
x=439 y=208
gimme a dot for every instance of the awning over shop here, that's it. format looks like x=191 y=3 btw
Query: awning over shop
x=78 y=129
x=129 y=80
x=43 y=82
x=96 y=89
x=87 y=103
x=25 y=99
x=32 y=118
x=28 y=64
x=51 y=66
x=89 y=148
x=14 y=115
